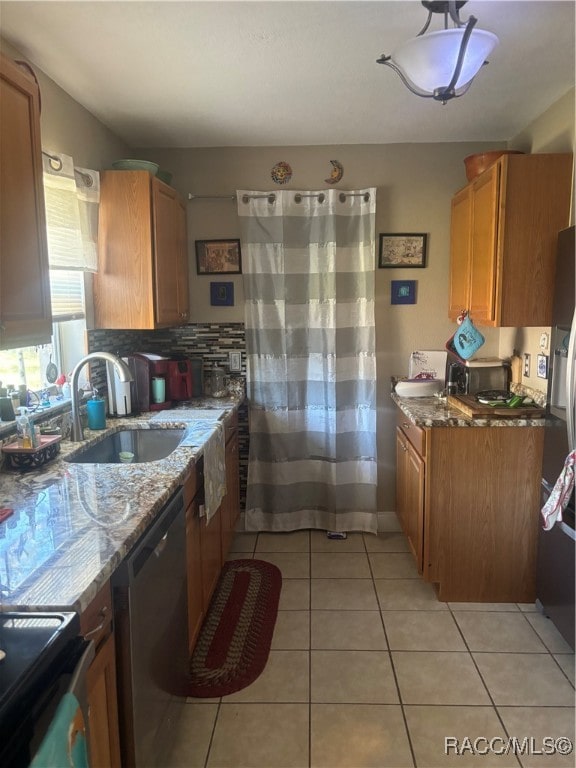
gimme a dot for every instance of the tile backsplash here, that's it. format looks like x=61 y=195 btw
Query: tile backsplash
x=211 y=341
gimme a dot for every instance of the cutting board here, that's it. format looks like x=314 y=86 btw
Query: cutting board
x=471 y=407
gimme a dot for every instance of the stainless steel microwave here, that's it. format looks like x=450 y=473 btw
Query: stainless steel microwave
x=472 y=376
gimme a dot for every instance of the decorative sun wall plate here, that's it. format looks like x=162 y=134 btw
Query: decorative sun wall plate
x=281 y=173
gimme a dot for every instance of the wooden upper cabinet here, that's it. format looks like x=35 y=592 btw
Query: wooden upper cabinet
x=460 y=251
x=503 y=241
x=142 y=278
x=25 y=313
x=171 y=262
x=484 y=247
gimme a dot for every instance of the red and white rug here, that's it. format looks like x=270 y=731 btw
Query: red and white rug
x=234 y=641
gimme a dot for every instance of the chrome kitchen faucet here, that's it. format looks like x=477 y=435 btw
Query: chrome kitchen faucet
x=124 y=375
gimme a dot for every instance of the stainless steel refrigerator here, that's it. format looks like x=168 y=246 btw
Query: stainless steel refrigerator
x=556 y=547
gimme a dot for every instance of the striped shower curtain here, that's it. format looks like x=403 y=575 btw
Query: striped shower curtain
x=308 y=269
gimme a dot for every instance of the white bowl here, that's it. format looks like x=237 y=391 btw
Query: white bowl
x=136 y=165
x=418 y=387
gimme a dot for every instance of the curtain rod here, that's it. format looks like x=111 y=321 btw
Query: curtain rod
x=210 y=197
x=272 y=197
x=56 y=163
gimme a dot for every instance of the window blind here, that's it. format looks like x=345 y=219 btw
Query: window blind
x=67 y=294
x=72 y=197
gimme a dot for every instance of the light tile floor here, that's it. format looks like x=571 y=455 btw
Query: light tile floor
x=368 y=670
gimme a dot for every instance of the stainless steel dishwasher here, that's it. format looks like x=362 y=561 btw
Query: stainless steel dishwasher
x=151 y=638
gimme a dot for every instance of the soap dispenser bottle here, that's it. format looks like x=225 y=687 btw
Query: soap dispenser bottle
x=96 y=408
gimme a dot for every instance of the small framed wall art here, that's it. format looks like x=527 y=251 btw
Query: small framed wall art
x=222 y=294
x=405 y=249
x=542 y=369
x=403 y=292
x=214 y=257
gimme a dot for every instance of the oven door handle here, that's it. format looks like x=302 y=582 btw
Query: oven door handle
x=567 y=530
x=78 y=678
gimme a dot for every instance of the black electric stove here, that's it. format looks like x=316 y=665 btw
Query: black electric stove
x=37 y=648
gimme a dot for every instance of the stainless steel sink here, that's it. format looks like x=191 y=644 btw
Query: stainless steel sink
x=131 y=446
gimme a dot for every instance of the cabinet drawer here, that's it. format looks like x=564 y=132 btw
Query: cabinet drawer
x=416 y=435
x=96 y=620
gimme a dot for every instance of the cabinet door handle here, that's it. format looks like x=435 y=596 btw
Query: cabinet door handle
x=406 y=425
x=100 y=627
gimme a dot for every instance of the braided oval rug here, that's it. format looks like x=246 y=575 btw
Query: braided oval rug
x=234 y=641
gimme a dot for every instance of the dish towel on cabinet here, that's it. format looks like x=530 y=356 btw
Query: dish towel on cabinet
x=560 y=496
x=214 y=471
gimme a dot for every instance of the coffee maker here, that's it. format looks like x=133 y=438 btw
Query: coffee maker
x=120 y=393
x=179 y=379
x=146 y=366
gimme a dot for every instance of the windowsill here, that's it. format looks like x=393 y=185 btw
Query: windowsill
x=38 y=416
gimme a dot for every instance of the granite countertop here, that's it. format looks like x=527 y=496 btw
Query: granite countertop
x=435 y=412
x=74 y=523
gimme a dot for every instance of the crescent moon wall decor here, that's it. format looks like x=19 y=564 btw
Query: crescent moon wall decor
x=337 y=172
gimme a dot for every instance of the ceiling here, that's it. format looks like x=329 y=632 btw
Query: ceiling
x=212 y=73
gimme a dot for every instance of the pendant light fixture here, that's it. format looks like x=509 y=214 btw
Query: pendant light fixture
x=441 y=65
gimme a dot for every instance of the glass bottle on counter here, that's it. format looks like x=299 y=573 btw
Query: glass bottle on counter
x=218 y=382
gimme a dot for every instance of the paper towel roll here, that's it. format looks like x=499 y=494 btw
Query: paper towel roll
x=558 y=389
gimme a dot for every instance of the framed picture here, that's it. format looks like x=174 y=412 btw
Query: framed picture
x=405 y=249
x=214 y=257
x=403 y=292
x=542 y=370
x=222 y=294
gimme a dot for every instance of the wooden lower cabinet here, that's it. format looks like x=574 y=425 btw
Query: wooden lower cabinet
x=410 y=495
x=103 y=707
x=193 y=560
x=203 y=555
x=208 y=542
x=103 y=735
x=231 y=502
x=477 y=490
x=211 y=555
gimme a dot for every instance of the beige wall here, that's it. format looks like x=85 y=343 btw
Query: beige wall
x=68 y=127
x=553 y=131
x=414 y=186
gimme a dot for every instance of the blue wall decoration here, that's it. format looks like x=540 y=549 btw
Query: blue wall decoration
x=403 y=292
x=222 y=294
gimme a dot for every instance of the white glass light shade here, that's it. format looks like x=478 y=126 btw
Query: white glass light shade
x=429 y=60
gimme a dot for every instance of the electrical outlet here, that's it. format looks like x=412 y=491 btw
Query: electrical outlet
x=544 y=341
x=527 y=357
x=235 y=362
